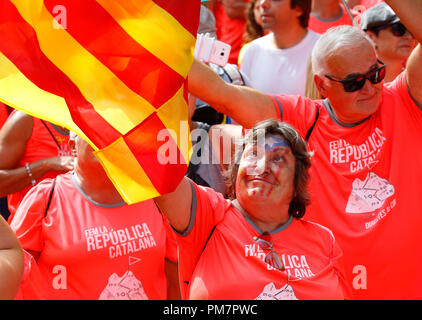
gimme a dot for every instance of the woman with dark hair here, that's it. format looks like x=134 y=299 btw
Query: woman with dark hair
x=255 y=246
x=253 y=29
x=253 y=23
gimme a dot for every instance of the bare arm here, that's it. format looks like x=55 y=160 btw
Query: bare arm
x=172 y=274
x=245 y=105
x=410 y=13
x=223 y=141
x=176 y=206
x=11 y=262
x=236 y=9
x=13 y=139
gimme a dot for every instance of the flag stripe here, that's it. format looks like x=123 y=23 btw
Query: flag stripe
x=20 y=93
x=144 y=143
x=104 y=38
x=111 y=98
x=179 y=11
x=156 y=30
x=104 y=74
x=174 y=115
x=16 y=34
x=123 y=169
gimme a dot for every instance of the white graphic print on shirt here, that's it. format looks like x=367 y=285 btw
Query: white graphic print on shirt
x=271 y=292
x=295 y=265
x=126 y=287
x=369 y=195
x=358 y=157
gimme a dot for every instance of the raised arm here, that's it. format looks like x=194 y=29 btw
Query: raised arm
x=245 y=105
x=410 y=13
x=176 y=206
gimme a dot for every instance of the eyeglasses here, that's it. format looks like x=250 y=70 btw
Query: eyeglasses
x=397 y=29
x=265 y=242
x=356 y=83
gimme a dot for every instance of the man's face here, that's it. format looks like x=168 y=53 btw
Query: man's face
x=266 y=171
x=351 y=107
x=278 y=13
x=390 y=46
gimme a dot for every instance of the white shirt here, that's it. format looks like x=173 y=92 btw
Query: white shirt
x=278 y=71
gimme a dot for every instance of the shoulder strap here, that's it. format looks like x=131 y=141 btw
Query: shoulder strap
x=205 y=245
x=308 y=134
x=50 y=197
x=209 y=237
x=51 y=134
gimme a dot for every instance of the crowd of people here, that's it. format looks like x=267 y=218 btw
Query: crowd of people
x=303 y=182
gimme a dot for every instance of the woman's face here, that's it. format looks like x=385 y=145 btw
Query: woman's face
x=257 y=12
x=266 y=171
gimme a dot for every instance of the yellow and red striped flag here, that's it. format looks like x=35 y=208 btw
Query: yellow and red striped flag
x=113 y=71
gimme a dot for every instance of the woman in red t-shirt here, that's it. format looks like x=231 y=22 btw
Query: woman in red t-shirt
x=256 y=246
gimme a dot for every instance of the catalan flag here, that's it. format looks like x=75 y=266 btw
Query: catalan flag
x=113 y=71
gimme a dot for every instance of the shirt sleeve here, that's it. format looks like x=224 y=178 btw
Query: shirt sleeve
x=208 y=208
x=27 y=222
x=298 y=111
x=246 y=60
x=399 y=86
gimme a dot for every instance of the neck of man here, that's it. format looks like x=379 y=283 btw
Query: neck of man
x=97 y=186
x=287 y=37
x=326 y=9
x=265 y=217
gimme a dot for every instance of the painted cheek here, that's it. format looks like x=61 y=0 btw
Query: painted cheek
x=251 y=188
x=265 y=190
x=278 y=172
x=259 y=188
x=269 y=191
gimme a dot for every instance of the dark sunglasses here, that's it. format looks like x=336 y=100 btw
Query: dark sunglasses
x=356 y=83
x=397 y=29
x=265 y=242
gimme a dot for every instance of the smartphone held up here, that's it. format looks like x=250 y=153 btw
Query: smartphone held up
x=210 y=50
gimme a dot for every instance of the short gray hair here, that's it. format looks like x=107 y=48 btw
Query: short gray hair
x=331 y=41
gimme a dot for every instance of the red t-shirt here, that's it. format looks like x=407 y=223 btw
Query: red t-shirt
x=229 y=30
x=232 y=265
x=320 y=26
x=41 y=145
x=3 y=114
x=92 y=251
x=365 y=185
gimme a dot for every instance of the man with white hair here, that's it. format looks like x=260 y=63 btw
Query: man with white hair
x=367 y=139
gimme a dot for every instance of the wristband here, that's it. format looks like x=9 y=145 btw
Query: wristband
x=29 y=172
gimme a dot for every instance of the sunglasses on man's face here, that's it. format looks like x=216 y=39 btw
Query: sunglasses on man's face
x=357 y=82
x=265 y=242
x=397 y=29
